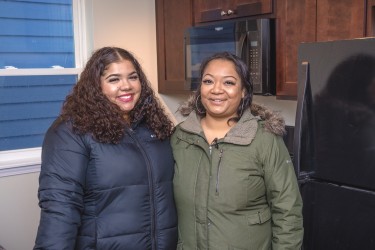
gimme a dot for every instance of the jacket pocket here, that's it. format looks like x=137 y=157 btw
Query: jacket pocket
x=260 y=217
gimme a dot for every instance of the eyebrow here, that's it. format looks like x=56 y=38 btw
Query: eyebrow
x=111 y=75
x=117 y=75
x=208 y=74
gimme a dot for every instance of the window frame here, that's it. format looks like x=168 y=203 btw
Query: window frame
x=28 y=160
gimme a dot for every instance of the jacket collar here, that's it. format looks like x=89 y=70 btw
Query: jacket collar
x=244 y=131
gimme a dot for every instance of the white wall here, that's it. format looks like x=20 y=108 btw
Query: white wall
x=130 y=25
x=19 y=211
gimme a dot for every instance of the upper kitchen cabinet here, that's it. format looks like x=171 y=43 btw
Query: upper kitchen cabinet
x=216 y=10
x=308 y=21
x=371 y=18
x=172 y=18
x=337 y=20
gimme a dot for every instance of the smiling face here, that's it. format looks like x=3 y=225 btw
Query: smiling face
x=221 y=89
x=121 y=85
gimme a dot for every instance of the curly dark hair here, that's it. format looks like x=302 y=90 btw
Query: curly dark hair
x=90 y=111
x=195 y=103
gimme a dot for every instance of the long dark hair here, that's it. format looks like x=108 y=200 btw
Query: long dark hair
x=90 y=111
x=195 y=103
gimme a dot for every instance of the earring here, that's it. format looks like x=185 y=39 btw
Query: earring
x=241 y=110
x=196 y=106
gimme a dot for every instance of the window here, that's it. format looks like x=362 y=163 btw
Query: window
x=40 y=59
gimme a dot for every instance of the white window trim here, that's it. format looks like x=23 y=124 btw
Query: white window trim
x=23 y=161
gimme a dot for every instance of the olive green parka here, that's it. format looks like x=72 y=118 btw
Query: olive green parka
x=241 y=191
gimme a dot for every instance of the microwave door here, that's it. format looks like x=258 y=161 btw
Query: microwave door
x=241 y=48
x=248 y=49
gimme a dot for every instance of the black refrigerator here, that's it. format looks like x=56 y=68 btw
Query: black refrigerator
x=334 y=143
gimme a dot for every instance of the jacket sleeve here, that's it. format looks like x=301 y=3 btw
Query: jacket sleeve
x=61 y=182
x=283 y=195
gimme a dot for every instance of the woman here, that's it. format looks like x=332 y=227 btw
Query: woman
x=107 y=166
x=234 y=183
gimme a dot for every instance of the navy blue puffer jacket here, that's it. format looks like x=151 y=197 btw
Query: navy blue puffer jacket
x=105 y=196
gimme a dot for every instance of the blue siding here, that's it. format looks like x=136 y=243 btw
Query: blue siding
x=48 y=10
x=35 y=28
x=36 y=60
x=27 y=111
x=28 y=106
x=33 y=34
x=36 y=34
x=26 y=127
x=30 y=141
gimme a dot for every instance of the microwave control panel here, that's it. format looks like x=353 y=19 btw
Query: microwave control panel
x=255 y=60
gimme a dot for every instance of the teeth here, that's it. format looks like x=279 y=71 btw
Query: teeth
x=125 y=97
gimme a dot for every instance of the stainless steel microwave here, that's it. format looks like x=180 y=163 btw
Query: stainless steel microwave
x=249 y=39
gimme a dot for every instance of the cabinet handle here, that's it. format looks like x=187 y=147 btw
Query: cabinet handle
x=230 y=12
x=223 y=13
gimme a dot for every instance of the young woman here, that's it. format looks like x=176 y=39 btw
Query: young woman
x=107 y=166
x=234 y=183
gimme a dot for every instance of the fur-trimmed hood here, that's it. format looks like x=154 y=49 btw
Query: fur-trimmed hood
x=244 y=131
x=274 y=122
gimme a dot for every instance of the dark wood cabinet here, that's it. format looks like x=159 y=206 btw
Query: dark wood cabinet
x=295 y=23
x=338 y=20
x=215 y=10
x=370 y=24
x=172 y=18
x=308 y=21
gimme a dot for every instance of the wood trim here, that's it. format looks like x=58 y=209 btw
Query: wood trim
x=370 y=22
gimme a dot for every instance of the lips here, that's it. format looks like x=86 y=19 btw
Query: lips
x=125 y=98
x=218 y=101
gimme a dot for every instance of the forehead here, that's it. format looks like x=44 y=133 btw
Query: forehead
x=221 y=66
x=122 y=65
x=220 y=63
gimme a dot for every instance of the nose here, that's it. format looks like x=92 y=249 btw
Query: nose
x=125 y=85
x=216 y=87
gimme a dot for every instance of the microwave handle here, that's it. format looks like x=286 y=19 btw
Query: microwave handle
x=241 y=45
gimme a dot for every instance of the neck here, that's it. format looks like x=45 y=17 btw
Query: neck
x=215 y=128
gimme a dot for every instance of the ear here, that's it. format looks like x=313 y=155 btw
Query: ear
x=243 y=92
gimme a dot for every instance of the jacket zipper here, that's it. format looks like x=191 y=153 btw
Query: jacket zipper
x=218 y=171
x=151 y=189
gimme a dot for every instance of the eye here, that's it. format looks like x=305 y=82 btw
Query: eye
x=207 y=81
x=229 y=83
x=134 y=77
x=113 y=79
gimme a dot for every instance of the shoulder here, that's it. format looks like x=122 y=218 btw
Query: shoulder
x=271 y=121
x=61 y=135
x=177 y=133
x=265 y=137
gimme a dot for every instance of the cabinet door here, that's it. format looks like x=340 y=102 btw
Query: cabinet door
x=370 y=18
x=309 y=21
x=215 y=10
x=295 y=23
x=337 y=20
x=172 y=18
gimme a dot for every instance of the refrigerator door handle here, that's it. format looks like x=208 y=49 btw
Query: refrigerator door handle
x=301 y=102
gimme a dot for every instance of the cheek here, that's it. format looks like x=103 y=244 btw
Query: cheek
x=108 y=90
x=204 y=90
